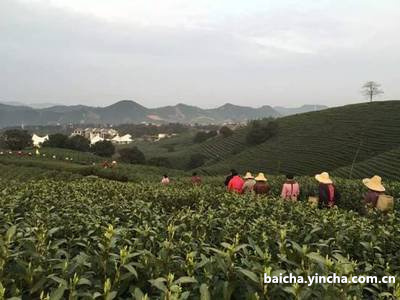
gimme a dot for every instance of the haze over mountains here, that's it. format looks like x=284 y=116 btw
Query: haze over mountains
x=126 y=111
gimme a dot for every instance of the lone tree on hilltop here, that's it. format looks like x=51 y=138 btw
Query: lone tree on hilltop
x=371 y=89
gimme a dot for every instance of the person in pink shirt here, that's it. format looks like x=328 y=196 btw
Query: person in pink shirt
x=290 y=189
x=236 y=183
x=165 y=180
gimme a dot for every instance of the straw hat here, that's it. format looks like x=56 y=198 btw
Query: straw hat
x=323 y=178
x=248 y=176
x=374 y=183
x=260 y=177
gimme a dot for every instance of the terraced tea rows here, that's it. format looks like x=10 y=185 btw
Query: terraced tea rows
x=388 y=164
x=324 y=140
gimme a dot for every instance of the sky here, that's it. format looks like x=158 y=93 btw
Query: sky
x=198 y=52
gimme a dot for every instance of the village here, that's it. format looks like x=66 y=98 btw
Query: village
x=95 y=134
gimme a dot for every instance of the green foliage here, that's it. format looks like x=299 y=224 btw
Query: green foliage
x=260 y=132
x=57 y=140
x=159 y=161
x=202 y=136
x=34 y=173
x=196 y=160
x=225 y=131
x=103 y=148
x=132 y=155
x=2 y=141
x=16 y=139
x=101 y=239
x=78 y=143
x=169 y=147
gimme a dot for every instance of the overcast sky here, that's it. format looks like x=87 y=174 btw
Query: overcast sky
x=200 y=52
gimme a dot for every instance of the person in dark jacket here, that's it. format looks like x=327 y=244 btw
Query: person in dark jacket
x=328 y=194
x=230 y=176
x=261 y=187
x=375 y=189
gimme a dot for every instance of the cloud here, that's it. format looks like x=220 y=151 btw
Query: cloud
x=163 y=52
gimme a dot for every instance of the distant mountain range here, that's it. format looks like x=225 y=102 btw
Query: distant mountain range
x=126 y=111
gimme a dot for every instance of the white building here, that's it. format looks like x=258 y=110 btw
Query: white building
x=94 y=138
x=38 y=141
x=105 y=133
x=125 y=139
x=162 y=136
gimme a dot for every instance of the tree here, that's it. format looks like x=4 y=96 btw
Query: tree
x=225 y=131
x=371 y=89
x=103 y=148
x=202 y=136
x=2 y=141
x=132 y=155
x=78 y=143
x=260 y=132
x=16 y=139
x=57 y=140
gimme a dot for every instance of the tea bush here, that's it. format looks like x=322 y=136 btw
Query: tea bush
x=98 y=239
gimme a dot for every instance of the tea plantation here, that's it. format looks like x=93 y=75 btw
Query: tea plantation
x=328 y=139
x=78 y=238
x=344 y=138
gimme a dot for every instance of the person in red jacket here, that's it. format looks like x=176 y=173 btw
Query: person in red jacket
x=195 y=179
x=236 y=183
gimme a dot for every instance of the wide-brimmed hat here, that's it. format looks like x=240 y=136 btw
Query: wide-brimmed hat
x=374 y=183
x=323 y=178
x=248 y=176
x=261 y=177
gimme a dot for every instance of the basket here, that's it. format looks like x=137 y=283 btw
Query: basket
x=313 y=201
x=385 y=203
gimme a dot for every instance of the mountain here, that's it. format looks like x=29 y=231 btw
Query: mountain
x=42 y=105
x=288 y=111
x=13 y=103
x=127 y=111
x=39 y=105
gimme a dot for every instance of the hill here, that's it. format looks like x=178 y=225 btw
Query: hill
x=288 y=111
x=323 y=140
x=129 y=112
x=367 y=134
